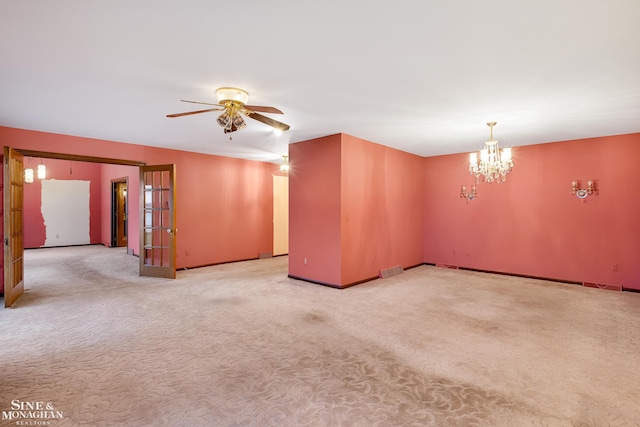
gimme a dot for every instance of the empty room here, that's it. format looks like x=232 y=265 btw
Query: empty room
x=332 y=214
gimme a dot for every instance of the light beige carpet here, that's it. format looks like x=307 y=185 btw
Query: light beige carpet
x=243 y=345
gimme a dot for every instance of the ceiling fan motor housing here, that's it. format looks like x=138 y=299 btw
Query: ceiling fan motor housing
x=226 y=94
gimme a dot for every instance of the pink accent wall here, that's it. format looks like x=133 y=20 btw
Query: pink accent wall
x=532 y=225
x=224 y=206
x=382 y=211
x=34 y=226
x=314 y=210
x=354 y=209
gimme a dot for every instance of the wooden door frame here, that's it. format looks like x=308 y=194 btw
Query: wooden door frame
x=79 y=158
x=72 y=157
x=114 y=209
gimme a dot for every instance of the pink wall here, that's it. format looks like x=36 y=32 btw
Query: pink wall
x=224 y=206
x=382 y=211
x=532 y=225
x=314 y=210
x=355 y=208
x=34 y=226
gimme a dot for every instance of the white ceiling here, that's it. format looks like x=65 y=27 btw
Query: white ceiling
x=420 y=76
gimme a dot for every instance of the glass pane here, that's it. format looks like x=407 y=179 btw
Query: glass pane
x=164 y=256
x=156 y=237
x=157 y=179
x=147 y=196
x=156 y=257
x=166 y=218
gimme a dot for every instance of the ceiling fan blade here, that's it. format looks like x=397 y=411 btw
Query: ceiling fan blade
x=193 y=112
x=268 y=121
x=198 y=102
x=272 y=110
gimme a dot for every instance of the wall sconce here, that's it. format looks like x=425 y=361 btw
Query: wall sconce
x=284 y=167
x=28 y=176
x=468 y=195
x=42 y=171
x=28 y=172
x=582 y=193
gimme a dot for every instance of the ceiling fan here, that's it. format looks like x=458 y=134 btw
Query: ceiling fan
x=233 y=101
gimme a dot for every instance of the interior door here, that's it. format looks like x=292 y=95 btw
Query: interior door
x=157 y=221
x=122 y=214
x=13 y=239
x=119 y=214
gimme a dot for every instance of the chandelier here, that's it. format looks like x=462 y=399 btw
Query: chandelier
x=494 y=164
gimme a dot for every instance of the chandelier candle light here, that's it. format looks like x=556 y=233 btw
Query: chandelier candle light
x=494 y=164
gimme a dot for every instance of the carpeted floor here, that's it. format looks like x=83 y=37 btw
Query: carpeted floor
x=243 y=345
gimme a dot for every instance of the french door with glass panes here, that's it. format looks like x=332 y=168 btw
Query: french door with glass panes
x=157 y=221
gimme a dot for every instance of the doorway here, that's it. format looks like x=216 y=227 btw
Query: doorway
x=59 y=166
x=280 y=215
x=119 y=212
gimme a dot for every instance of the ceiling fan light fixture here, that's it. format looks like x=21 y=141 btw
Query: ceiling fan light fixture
x=224 y=120
x=238 y=121
x=232 y=101
x=226 y=94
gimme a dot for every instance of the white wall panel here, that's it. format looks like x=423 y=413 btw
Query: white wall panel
x=66 y=212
